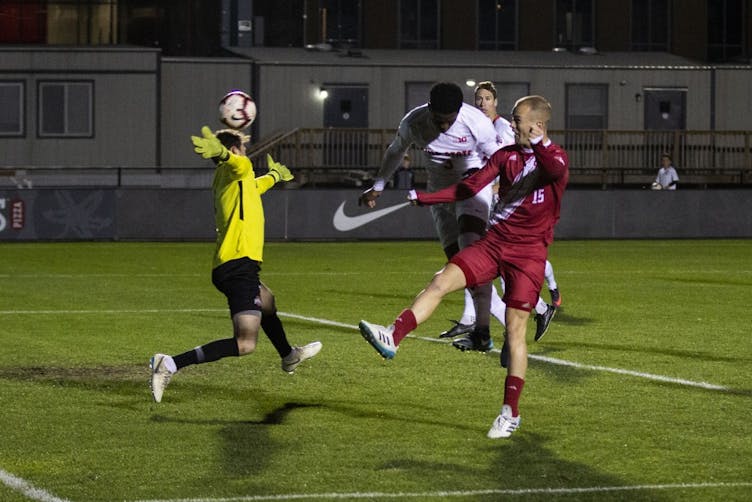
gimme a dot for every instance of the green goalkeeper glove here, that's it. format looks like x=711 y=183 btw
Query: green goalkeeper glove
x=209 y=146
x=279 y=171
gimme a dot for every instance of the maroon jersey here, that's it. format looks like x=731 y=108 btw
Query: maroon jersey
x=531 y=186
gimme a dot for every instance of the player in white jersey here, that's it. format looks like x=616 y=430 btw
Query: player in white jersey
x=486 y=100
x=455 y=138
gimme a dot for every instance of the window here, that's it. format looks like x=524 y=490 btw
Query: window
x=725 y=29
x=497 y=24
x=342 y=21
x=66 y=109
x=574 y=24
x=650 y=25
x=587 y=106
x=11 y=108
x=419 y=24
x=507 y=93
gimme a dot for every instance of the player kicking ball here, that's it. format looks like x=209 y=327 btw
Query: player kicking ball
x=533 y=175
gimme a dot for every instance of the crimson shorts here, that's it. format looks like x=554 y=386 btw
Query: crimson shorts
x=239 y=281
x=521 y=265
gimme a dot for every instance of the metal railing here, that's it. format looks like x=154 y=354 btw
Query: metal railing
x=351 y=157
x=598 y=157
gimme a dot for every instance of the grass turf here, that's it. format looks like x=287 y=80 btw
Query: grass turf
x=78 y=322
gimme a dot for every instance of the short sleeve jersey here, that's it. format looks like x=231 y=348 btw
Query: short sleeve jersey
x=465 y=145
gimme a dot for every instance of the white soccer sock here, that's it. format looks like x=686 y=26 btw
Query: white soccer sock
x=498 y=307
x=468 y=315
x=541 y=306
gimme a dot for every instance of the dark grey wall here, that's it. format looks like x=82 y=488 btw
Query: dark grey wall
x=186 y=214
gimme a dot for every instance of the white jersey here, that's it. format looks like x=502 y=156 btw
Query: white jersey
x=666 y=176
x=465 y=145
x=504 y=132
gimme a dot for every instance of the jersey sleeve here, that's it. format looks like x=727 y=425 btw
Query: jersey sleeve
x=265 y=182
x=552 y=160
x=238 y=166
x=464 y=189
x=395 y=152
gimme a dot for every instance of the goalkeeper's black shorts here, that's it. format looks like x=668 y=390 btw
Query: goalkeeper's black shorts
x=239 y=281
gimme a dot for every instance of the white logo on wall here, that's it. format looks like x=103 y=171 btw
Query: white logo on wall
x=344 y=223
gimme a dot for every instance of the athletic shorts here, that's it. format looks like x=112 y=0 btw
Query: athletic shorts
x=446 y=216
x=239 y=281
x=522 y=266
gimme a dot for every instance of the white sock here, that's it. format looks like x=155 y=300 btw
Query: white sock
x=541 y=306
x=550 y=279
x=468 y=315
x=498 y=307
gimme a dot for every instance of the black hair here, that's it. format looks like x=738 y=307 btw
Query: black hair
x=445 y=97
x=231 y=138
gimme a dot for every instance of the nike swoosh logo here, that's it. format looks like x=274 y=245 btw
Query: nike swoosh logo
x=344 y=223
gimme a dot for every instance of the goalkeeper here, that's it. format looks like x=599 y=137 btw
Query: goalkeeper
x=239 y=218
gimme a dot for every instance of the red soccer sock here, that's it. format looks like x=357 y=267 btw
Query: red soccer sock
x=512 y=390
x=403 y=325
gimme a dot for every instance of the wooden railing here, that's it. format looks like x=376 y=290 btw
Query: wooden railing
x=597 y=157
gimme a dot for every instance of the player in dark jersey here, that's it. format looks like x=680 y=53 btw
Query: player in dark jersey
x=532 y=174
x=239 y=219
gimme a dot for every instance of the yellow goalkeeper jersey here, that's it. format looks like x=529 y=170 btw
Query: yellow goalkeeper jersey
x=238 y=212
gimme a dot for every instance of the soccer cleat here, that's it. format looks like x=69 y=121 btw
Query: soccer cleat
x=380 y=338
x=555 y=297
x=160 y=376
x=505 y=424
x=457 y=330
x=504 y=356
x=543 y=320
x=474 y=341
x=298 y=355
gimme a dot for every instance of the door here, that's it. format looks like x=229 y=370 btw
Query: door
x=346 y=107
x=665 y=114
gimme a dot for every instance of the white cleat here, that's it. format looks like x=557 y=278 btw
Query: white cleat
x=160 y=375
x=298 y=355
x=505 y=424
x=380 y=338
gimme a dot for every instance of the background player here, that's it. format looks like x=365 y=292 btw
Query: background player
x=455 y=138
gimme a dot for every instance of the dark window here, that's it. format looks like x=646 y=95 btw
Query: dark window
x=650 y=25
x=342 y=22
x=725 y=30
x=497 y=24
x=419 y=24
x=587 y=106
x=574 y=23
x=66 y=109
x=11 y=108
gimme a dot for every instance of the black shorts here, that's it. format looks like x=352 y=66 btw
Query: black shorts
x=239 y=281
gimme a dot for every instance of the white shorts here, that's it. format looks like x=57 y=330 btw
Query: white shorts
x=446 y=216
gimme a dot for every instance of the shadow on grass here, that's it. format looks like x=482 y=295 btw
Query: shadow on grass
x=552 y=345
x=525 y=469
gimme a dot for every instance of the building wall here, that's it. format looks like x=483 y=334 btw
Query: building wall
x=190 y=94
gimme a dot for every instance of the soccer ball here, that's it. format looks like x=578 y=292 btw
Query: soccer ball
x=237 y=110
x=656 y=186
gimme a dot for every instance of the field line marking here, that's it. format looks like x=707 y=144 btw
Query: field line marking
x=328 y=322
x=469 y=493
x=27 y=489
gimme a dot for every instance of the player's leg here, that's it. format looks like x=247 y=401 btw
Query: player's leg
x=472 y=217
x=238 y=281
x=386 y=339
x=275 y=331
x=447 y=229
x=523 y=272
x=553 y=288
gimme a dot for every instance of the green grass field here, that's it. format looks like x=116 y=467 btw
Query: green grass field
x=639 y=391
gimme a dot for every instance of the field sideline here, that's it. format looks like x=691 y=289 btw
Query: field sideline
x=640 y=390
